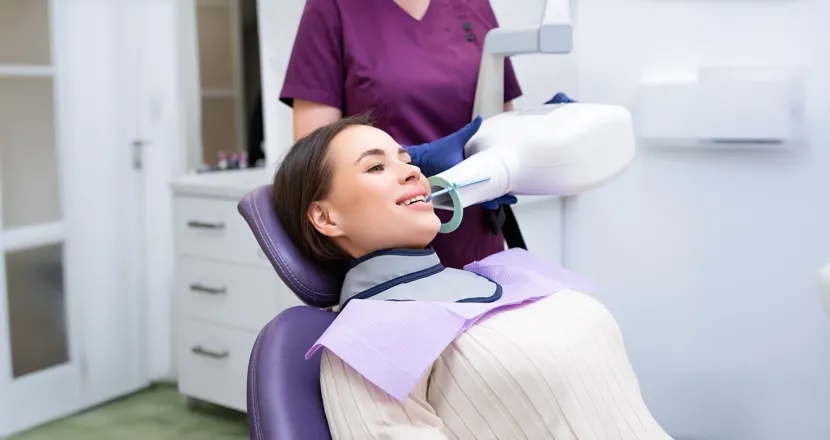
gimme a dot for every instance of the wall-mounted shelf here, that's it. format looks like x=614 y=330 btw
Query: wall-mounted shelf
x=220 y=93
x=45 y=234
x=25 y=71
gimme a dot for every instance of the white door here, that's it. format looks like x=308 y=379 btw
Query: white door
x=70 y=298
x=155 y=98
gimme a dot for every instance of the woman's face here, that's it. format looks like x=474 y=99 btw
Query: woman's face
x=377 y=197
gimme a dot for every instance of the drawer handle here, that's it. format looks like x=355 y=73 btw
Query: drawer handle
x=204 y=225
x=205 y=289
x=209 y=353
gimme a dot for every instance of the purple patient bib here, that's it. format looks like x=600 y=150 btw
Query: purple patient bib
x=394 y=343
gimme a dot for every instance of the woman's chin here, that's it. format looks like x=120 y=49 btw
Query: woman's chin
x=423 y=231
x=433 y=224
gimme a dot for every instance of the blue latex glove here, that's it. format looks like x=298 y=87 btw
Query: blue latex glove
x=503 y=200
x=436 y=157
x=439 y=156
x=560 y=98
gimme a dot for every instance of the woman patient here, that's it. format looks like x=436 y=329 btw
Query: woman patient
x=555 y=368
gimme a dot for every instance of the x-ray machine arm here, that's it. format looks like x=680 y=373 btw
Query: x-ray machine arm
x=554 y=35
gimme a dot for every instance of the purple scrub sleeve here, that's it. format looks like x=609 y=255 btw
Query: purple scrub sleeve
x=315 y=69
x=416 y=77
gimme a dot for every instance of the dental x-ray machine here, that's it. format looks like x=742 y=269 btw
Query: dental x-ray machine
x=554 y=149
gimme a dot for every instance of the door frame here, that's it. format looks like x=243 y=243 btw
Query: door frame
x=19 y=395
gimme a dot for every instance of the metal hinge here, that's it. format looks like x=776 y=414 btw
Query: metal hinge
x=138 y=153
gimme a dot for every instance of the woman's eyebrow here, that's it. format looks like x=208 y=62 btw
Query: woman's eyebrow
x=378 y=152
x=371 y=152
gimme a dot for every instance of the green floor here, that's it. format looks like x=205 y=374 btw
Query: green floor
x=155 y=414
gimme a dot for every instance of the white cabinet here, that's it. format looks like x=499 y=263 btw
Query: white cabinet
x=225 y=289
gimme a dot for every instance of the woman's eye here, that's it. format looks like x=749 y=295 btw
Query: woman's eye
x=376 y=168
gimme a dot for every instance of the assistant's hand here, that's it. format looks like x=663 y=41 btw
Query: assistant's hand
x=560 y=98
x=436 y=157
x=503 y=200
x=439 y=156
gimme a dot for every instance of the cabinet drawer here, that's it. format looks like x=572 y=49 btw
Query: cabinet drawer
x=214 y=229
x=246 y=297
x=213 y=363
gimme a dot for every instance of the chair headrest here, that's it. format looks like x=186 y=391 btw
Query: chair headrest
x=313 y=286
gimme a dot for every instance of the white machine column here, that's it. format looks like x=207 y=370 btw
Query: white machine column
x=554 y=35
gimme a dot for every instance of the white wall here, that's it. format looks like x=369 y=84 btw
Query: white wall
x=707 y=258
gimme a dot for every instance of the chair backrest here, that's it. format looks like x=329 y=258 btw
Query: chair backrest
x=284 y=401
x=312 y=285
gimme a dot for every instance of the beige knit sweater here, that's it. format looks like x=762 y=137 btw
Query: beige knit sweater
x=552 y=369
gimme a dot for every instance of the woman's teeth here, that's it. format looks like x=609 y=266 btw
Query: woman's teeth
x=413 y=200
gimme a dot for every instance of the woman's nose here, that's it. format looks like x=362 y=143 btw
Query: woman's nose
x=411 y=173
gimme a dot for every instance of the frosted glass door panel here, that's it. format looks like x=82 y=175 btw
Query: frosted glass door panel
x=216 y=64
x=28 y=163
x=219 y=131
x=37 y=309
x=24 y=32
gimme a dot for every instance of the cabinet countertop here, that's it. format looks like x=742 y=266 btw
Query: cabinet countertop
x=230 y=184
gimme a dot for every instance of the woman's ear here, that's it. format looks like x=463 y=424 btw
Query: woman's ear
x=321 y=217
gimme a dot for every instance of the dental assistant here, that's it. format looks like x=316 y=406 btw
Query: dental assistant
x=414 y=65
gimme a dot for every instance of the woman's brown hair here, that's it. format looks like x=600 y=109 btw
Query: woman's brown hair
x=304 y=177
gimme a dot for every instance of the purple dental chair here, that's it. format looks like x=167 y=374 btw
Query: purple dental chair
x=284 y=400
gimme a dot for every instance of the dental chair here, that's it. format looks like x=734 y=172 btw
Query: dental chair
x=594 y=145
x=284 y=400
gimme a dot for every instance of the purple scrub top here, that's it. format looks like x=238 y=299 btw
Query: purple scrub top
x=417 y=77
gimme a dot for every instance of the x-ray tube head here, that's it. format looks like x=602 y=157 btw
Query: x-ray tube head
x=554 y=149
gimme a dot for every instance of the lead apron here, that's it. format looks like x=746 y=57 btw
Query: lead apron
x=414 y=275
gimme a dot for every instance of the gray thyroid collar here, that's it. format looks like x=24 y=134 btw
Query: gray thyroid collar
x=414 y=275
